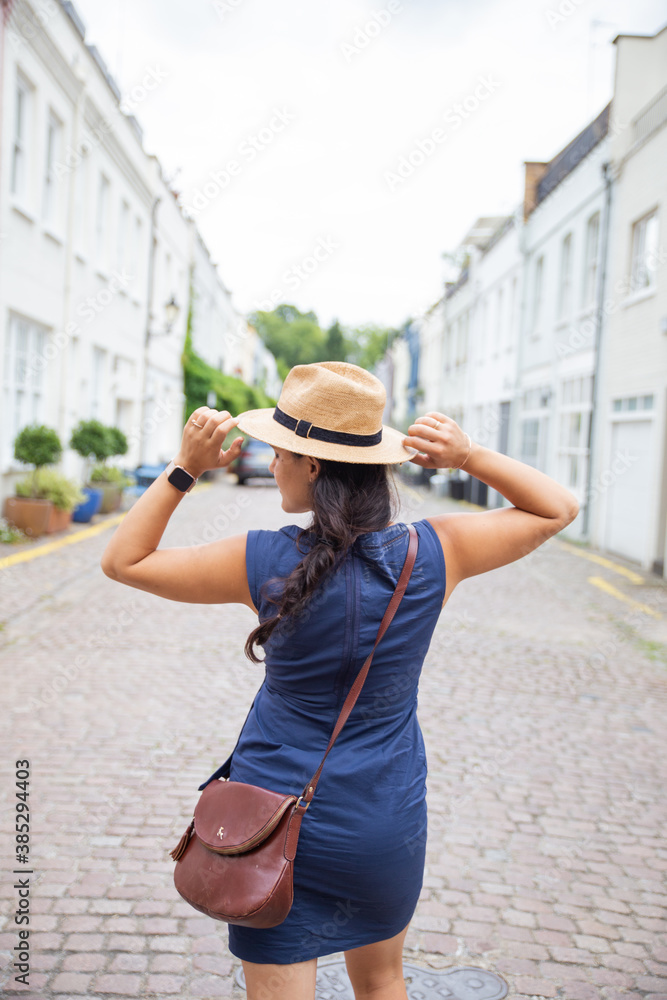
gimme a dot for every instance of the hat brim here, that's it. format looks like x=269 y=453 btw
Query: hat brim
x=261 y=425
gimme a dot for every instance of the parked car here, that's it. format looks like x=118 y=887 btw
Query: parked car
x=253 y=462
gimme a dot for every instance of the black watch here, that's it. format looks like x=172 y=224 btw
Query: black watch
x=180 y=477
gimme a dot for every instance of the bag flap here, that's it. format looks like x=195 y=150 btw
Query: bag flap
x=232 y=817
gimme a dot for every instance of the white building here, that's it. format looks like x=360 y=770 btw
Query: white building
x=629 y=481
x=468 y=339
x=96 y=255
x=562 y=241
x=75 y=210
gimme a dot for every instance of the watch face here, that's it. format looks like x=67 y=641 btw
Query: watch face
x=181 y=479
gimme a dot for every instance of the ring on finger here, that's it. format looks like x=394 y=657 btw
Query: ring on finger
x=196 y=423
x=436 y=426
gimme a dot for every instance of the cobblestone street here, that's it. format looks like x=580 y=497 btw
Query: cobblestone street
x=543 y=703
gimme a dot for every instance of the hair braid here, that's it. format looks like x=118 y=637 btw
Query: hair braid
x=349 y=499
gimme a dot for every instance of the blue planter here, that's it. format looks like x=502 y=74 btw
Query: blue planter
x=85 y=510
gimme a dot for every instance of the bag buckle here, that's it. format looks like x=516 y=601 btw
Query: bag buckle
x=299 y=801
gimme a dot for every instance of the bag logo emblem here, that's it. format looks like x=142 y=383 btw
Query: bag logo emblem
x=221 y=832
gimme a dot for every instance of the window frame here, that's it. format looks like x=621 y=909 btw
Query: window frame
x=50 y=182
x=20 y=144
x=589 y=285
x=644 y=282
x=565 y=283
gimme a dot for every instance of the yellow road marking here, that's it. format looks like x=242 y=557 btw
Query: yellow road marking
x=607 y=563
x=609 y=588
x=59 y=543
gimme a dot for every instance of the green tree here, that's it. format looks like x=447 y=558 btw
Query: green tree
x=368 y=344
x=293 y=337
x=337 y=347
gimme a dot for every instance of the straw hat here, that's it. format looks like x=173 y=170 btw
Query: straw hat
x=332 y=410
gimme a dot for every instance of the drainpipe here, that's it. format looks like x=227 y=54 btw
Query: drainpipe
x=147 y=333
x=599 y=317
x=65 y=394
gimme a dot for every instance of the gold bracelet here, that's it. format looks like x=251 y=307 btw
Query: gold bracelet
x=468 y=455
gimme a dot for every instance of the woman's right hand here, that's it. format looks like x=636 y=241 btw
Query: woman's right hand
x=203 y=438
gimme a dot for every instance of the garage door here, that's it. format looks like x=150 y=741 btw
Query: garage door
x=629 y=506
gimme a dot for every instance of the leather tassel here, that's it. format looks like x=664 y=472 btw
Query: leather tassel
x=179 y=850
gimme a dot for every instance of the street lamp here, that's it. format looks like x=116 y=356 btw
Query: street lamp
x=171 y=311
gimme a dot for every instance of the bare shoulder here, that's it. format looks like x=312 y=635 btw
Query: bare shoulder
x=475 y=542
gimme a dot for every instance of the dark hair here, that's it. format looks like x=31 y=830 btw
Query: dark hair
x=349 y=499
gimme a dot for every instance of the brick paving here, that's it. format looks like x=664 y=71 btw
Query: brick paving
x=542 y=702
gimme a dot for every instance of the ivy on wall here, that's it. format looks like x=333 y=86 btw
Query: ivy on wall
x=200 y=378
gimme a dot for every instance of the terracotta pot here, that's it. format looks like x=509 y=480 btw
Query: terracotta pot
x=31 y=516
x=111 y=496
x=58 y=520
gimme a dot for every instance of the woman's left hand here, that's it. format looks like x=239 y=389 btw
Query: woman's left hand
x=203 y=439
x=440 y=442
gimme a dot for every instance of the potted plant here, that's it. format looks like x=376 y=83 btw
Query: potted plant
x=38 y=446
x=109 y=478
x=93 y=439
x=88 y=439
x=51 y=486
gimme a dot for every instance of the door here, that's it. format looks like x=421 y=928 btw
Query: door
x=629 y=505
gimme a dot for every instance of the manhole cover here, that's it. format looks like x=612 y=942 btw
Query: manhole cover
x=463 y=983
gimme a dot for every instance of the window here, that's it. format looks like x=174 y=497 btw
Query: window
x=537 y=296
x=22 y=123
x=511 y=325
x=450 y=346
x=565 y=298
x=137 y=254
x=23 y=389
x=80 y=189
x=630 y=404
x=500 y=322
x=102 y=223
x=576 y=396
x=644 y=253
x=50 y=197
x=530 y=439
x=483 y=330
x=122 y=235
x=99 y=380
x=462 y=339
x=589 y=285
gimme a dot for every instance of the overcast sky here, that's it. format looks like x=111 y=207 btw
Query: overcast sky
x=305 y=109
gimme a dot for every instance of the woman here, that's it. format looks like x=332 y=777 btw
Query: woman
x=320 y=595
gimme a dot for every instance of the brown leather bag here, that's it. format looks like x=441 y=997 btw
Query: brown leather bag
x=238 y=866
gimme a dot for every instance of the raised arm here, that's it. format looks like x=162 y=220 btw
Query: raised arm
x=198 y=574
x=477 y=542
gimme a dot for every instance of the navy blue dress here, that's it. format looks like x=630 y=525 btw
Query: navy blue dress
x=360 y=862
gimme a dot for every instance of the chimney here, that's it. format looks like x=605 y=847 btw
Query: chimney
x=534 y=174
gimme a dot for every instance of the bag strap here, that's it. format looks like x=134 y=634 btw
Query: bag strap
x=305 y=798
